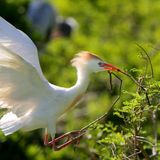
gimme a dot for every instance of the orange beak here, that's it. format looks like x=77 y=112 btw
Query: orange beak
x=110 y=67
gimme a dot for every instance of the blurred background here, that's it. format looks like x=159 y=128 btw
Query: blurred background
x=111 y=29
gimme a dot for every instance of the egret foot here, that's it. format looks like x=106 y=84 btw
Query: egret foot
x=68 y=138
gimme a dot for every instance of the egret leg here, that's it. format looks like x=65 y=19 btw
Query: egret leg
x=46 y=137
x=71 y=137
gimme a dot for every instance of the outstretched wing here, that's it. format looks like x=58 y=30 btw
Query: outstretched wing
x=21 y=86
x=19 y=43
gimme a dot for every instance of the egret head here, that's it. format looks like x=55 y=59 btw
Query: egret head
x=92 y=63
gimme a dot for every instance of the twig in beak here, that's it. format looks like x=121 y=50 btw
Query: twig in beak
x=110 y=79
x=134 y=80
x=120 y=88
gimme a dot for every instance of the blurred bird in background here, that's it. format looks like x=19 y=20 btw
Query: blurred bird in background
x=32 y=101
x=45 y=20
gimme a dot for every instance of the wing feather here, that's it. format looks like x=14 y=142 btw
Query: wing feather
x=21 y=86
x=19 y=43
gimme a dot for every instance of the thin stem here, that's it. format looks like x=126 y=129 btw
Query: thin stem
x=154 y=121
x=135 y=142
x=149 y=60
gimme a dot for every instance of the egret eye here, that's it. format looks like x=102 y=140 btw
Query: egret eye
x=101 y=64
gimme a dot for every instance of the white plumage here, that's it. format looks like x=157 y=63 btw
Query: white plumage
x=31 y=100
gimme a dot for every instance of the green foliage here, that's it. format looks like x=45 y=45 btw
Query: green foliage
x=110 y=29
x=133 y=139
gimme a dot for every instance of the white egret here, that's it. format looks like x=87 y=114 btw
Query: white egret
x=32 y=101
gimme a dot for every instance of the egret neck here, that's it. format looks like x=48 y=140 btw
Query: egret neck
x=77 y=91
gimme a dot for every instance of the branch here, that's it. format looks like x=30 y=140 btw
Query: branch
x=148 y=58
